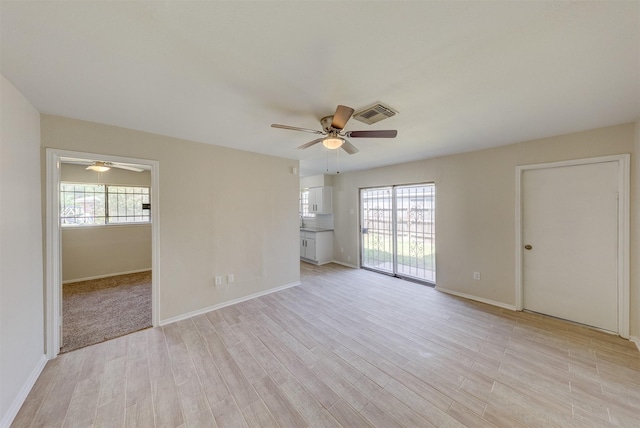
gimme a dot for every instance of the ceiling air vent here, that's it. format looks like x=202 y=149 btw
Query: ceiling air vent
x=374 y=113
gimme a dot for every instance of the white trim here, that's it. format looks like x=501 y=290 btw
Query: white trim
x=108 y=275
x=477 y=299
x=24 y=392
x=636 y=340
x=624 y=233
x=345 y=264
x=519 y=279
x=53 y=240
x=623 y=161
x=227 y=303
x=53 y=262
x=105 y=226
x=314 y=262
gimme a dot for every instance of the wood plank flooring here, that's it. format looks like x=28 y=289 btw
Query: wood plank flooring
x=347 y=348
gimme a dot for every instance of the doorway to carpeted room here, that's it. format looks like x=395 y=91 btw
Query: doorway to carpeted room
x=101 y=309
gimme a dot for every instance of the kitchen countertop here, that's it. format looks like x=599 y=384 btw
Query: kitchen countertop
x=315 y=229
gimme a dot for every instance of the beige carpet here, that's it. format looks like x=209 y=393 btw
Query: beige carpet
x=101 y=309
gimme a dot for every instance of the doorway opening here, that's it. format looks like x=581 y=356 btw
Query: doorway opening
x=398 y=231
x=105 y=216
x=76 y=207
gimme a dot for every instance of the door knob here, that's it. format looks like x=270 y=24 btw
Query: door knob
x=528 y=247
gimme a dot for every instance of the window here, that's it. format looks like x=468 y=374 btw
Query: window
x=95 y=204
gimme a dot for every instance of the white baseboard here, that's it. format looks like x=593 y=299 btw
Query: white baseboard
x=225 y=304
x=636 y=340
x=477 y=299
x=11 y=414
x=89 y=278
x=315 y=262
x=345 y=264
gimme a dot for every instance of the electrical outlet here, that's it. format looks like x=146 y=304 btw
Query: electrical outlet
x=476 y=276
x=218 y=280
x=348 y=258
x=230 y=278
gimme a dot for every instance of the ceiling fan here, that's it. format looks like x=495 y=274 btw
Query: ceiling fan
x=102 y=166
x=334 y=134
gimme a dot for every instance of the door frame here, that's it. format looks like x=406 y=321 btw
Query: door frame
x=53 y=261
x=623 y=161
x=361 y=234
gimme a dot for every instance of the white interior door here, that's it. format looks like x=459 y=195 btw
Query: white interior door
x=570 y=234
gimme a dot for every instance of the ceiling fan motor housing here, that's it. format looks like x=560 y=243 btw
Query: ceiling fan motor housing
x=326 y=123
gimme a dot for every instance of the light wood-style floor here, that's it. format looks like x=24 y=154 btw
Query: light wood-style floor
x=347 y=348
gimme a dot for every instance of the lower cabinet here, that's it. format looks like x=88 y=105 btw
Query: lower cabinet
x=308 y=247
x=316 y=247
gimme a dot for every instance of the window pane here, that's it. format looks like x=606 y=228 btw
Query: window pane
x=304 y=204
x=82 y=204
x=125 y=204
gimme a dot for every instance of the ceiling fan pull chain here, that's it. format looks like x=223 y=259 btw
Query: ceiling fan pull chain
x=327 y=160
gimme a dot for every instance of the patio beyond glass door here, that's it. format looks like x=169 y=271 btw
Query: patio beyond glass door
x=397 y=225
x=377 y=229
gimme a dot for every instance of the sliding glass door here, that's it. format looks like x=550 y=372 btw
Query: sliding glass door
x=398 y=235
x=377 y=228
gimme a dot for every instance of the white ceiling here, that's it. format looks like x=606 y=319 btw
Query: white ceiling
x=463 y=75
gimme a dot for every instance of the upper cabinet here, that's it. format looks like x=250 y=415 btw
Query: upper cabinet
x=320 y=200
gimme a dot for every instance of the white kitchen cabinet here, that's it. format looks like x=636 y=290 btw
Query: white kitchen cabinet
x=308 y=246
x=316 y=247
x=320 y=200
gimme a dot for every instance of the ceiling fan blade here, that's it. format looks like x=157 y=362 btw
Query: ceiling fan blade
x=372 y=134
x=85 y=162
x=76 y=161
x=341 y=117
x=349 y=148
x=127 y=167
x=294 y=128
x=310 y=143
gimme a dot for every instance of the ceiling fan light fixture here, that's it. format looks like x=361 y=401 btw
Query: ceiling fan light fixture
x=332 y=142
x=98 y=167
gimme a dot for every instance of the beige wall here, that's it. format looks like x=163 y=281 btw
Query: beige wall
x=475 y=207
x=221 y=211
x=95 y=251
x=21 y=274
